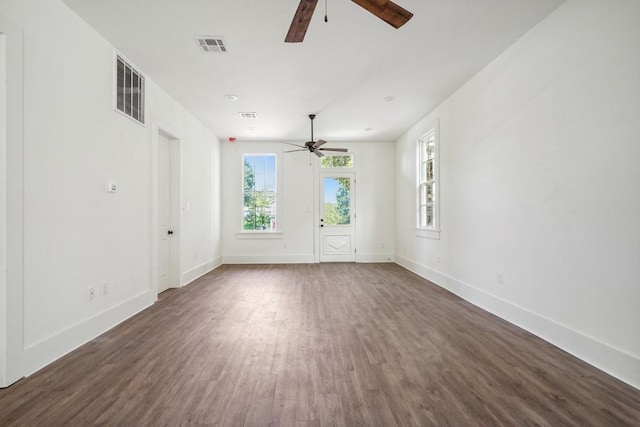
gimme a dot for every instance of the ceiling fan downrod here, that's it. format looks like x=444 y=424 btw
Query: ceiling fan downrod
x=312 y=116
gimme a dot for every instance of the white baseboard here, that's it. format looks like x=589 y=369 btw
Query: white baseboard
x=201 y=270
x=268 y=259
x=40 y=354
x=616 y=362
x=370 y=258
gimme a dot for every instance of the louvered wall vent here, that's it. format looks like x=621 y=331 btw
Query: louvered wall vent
x=249 y=115
x=212 y=44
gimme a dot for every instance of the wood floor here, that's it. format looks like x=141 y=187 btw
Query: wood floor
x=312 y=345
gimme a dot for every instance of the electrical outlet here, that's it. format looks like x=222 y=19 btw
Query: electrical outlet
x=500 y=278
x=195 y=255
x=92 y=293
x=105 y=288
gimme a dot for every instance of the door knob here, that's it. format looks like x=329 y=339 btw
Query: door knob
x=170 y=232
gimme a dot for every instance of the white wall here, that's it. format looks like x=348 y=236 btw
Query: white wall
x=75 y=234
x=3 y=206
x=540 y=180
x=298 y=190
x=11 y=208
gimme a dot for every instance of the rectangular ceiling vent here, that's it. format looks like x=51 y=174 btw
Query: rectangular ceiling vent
x=212 y=44
x=249 y=115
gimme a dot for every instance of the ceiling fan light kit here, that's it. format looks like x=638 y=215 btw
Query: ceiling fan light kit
x=388 y=11
x=314 y=146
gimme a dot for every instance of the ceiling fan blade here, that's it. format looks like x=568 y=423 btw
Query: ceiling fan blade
x=295 y=145
x=318 y=143
x=386 y=10
x=342 y=150
x=318 y=153
x=301 y=20
x=293 y=151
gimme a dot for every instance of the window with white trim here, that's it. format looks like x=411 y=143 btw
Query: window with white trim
x=129 y=90
x=427 y=188
x=259 y=192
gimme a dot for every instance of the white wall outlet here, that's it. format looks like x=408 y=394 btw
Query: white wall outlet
x=105 y=288
x=195 y=255
x=500 y=278
x=92 y=293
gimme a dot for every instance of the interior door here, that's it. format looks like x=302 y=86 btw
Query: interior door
x=164 y=213
x=337 y=217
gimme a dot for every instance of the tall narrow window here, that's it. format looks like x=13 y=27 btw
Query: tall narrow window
x=129 y=90
x=259 y=192
x=427 y=182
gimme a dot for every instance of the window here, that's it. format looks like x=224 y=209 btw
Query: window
x=337 y=161
x=129 y=90
x=427 y=182
x=259 y=192
x=337 y=201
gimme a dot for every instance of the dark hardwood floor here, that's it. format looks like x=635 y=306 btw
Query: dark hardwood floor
x=311 y=345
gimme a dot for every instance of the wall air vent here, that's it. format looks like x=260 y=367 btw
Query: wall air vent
x=212 y=44
x=249 y=115
x=129 y=90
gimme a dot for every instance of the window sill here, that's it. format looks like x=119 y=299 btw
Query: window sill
x=259 y=235
x=429 y=234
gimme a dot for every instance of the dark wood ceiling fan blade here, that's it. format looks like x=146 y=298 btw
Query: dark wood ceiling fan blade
x=342 y=150
x=293 y=151
x=295 y=145
x=318 y=143
x=301 y=21
x=386 y=10
x=318 y=153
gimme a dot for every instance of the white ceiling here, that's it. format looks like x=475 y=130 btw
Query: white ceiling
x=343 y=71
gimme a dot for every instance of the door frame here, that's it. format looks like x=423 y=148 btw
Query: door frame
x=161 y=128
x=317 y=172
x=338 y=173
x=12 y=351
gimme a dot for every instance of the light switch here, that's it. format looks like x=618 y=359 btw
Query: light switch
x=111 y=187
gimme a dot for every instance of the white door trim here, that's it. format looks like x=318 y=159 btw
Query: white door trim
x=340 y=238
x=160 y=127
x=12 y=211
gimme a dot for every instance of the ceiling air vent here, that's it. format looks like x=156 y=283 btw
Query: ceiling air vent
x=249 y=115
x=212 y=44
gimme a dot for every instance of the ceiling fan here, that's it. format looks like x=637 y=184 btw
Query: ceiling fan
x=386 y=10
x=314 y=146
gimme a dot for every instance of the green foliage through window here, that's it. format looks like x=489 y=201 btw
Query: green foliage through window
x=337 y=161
x=337 y=201
x=259 y=192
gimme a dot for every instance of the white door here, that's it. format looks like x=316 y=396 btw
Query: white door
x=337 y=217
x=164 y=213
